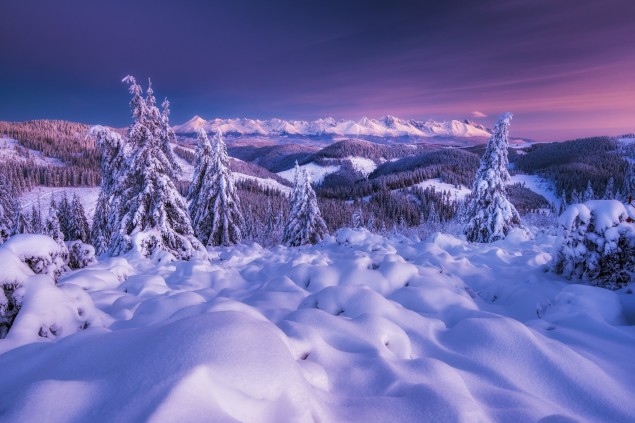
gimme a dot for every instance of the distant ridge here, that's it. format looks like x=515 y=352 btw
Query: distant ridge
x=387 y=126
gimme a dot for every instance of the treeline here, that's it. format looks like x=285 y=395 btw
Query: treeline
x=573 y=164
x=26 y=175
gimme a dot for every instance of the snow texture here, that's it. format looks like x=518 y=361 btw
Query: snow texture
x=356 y=328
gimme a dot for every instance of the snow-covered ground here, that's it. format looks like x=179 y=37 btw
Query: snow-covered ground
x=539 y=185
x=316 y=171
x=459 y=192
x=263 y=182
x=8 y=152
x=362 y=164
x=87 y=196
x=357 y=328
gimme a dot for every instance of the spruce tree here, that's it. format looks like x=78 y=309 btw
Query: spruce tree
x=202 y=158
x=305 y=224
x=490 y=214
x=357 y=219
x=588 y=193
x=217 y=216
x=113 y=161
x=151 y=212
x=52 y=226
x=575 y=197
x=8 y=208
x=629 y=182
x=64 y=216
x=563 y=202
x=78 y=224
x=609 y=192
x=36 y=220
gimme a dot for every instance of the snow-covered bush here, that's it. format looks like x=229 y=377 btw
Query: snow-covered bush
x=596 y=243
x=42 y=254
x=80 y=255
x=30 y=266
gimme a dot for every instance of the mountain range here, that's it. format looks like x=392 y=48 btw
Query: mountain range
x=384 y=127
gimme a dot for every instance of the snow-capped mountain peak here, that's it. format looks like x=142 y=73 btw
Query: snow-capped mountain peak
x=385 y=127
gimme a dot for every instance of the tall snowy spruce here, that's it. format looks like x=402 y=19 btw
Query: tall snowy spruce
x=305 y=224
x=202 y=157
x=215 y=206
x=113 y=161
x=151 y=214
x=490 y=215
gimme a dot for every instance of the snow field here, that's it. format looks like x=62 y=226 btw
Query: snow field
x=357 y=328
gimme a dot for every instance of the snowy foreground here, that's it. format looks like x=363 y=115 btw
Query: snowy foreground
x=357 y=328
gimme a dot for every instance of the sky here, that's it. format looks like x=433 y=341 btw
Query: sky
x=565 y=68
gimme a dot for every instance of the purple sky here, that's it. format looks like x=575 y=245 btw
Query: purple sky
x=565 y=68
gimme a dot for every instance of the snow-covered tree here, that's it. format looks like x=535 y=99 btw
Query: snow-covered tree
x=8 y=208
x=202 y=158
x=433 y=217
x=216 y=211
x=77 y=223
x=21 y=224
x=36 y=219
x=490 y=214
x=563 y=202
x=305 y=224
x=64 y=215
x=609 y=192
x=629 y=182
x=588 y=193
x=357 y=219
x=596 y=243
x=575 y=197
x=113 y=162
x=52 y=226
x=151 y=214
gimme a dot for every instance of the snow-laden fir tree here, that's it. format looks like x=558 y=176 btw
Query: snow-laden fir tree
x=596 y=243
x=202 y=158
x=151 y=213
x=609 y=192
x=21 y=224
x=52 y=225
x=64 y=215
x=113 y=162
x=357 y=219
x=629 y=182
x=36 y=219
x=78 y=223
x=575 y=197
x=433 y=217
x=490 y=214
x=217 y=216
x=8 y=208
x=563 y=202
x=305 y=224
x=588 y=193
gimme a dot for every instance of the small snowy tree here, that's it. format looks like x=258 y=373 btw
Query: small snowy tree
x=357 y=219
x=8 y=209
x=609 y=192
x=490 y=214
x=433 y=217
x=629 y=181
x=588 y=193
x=77 y=223
x=64 y=215
x=575 y=197
x=152 y=215
x=563 y=202
x=52 y=225
x=36 y=220
x=596 y=243
x=305 y=224
x=217 y=214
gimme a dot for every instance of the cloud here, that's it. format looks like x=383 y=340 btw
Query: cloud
x=477 y=114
